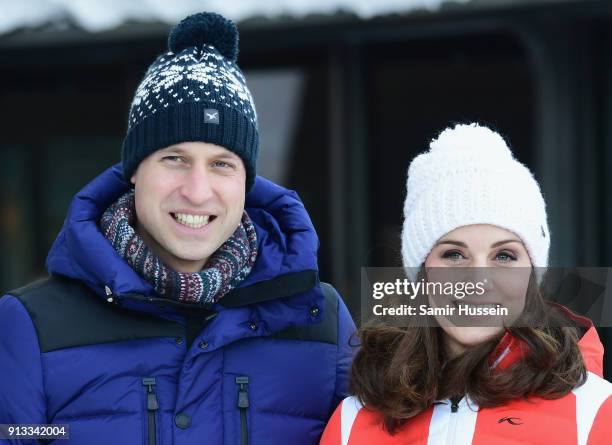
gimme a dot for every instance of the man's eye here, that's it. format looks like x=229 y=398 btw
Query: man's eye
x=222 y=164
x=173 y=159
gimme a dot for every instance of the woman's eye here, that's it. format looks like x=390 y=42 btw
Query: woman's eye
x=453 y=255
x=505 y=257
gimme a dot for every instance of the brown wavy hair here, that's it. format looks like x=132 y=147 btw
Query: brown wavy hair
x=400 y=372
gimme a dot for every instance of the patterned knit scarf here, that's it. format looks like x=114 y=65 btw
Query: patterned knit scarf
x=225 y=269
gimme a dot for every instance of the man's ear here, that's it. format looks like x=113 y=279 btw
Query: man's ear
x=133 y=179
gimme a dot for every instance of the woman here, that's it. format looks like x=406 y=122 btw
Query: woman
x=539 y=381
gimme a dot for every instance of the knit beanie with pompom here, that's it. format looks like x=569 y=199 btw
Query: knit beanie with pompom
x=194 y=92
x=469 y=176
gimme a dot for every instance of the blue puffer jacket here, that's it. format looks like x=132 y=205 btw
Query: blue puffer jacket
x=94 y=347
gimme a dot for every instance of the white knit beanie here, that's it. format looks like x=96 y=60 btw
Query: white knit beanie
x=469 y=176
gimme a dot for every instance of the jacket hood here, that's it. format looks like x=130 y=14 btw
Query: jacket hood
x=286 y=263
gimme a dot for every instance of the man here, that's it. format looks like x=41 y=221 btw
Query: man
x=183 y=304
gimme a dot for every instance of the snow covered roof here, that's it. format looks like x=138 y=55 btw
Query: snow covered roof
x=98 y=16
x=104 y=15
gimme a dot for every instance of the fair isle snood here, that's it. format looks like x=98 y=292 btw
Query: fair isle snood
x=225 y=269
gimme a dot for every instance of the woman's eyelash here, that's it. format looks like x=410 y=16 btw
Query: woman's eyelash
x=451 y=254
x=511 y=256
x=455 y=254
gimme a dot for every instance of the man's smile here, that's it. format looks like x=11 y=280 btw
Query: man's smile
x=195 y=221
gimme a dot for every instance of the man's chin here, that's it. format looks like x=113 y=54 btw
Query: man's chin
x=184 y=256
x=192 y=257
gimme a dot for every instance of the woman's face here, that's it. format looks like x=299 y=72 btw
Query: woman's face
x=492 y=250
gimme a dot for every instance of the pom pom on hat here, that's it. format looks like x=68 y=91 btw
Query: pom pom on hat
x=471 y=138
x=205 y=28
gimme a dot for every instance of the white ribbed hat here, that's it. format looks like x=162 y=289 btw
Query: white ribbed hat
x=469 y=176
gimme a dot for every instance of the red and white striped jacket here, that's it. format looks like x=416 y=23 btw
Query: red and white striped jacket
x=582 y=417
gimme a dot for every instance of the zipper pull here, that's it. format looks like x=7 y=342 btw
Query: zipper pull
x=243 y=395
x=109 y=295
x=455 y=404
x=152 y=403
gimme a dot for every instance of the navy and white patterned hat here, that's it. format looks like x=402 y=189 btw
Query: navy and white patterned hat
x=194 y=92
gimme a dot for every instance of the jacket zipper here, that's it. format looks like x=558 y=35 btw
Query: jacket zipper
x=243 y=404
x=152 y=407
x=452 y=427
x=455 y=404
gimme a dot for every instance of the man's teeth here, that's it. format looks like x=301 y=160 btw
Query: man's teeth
x=193 y=221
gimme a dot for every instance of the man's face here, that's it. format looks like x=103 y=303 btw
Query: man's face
x=189 y=201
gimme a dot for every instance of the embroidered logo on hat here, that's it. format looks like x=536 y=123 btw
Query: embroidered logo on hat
x=211 y=116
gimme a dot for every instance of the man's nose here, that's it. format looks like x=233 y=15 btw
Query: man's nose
x=197 y=187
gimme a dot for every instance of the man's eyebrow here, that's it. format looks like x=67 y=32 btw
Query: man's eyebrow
x=173 y=149
x=182 y=151
x=226 y=156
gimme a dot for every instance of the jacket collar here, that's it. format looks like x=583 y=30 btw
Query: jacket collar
x=510 y=349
